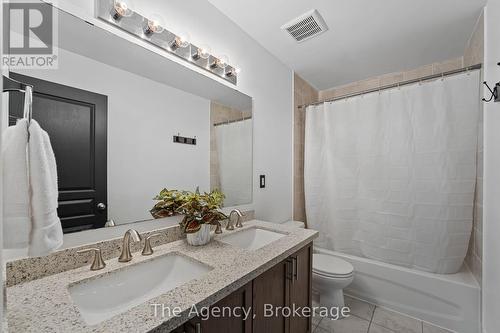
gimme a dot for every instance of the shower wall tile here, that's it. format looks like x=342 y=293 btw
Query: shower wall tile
x=304 y=93
x=474 y=52
x=418 y=73
x=391 y=78
x=448 y=65
x=369 y=84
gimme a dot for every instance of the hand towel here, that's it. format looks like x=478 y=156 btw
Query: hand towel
x=16 y=206
x=46 y=231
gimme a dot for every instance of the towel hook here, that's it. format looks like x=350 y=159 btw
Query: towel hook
x=494 y=92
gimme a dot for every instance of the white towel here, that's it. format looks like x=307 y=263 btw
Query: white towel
x=16 y=207
x=46 y=231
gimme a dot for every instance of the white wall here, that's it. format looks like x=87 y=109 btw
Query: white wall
x=263 y=77
x=1 y=187
x=142 y=117
x=491 y=219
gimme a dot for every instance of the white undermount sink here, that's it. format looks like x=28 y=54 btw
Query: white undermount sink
x=104 y=297
x=251 y=239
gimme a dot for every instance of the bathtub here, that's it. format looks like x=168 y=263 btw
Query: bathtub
x=451 y=301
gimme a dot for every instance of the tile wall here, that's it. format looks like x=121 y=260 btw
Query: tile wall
x=304 y=93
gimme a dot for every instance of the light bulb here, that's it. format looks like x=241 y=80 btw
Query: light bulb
x=184 y=40
x=202 y=52
x=220 y=62
x=179 y=41
x=122 y=8
x=233 y=71
x=154 y=25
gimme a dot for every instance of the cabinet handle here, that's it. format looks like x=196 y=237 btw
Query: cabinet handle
x=289 y=269
x=296 y=262
x=294 y=270
x=196 y=326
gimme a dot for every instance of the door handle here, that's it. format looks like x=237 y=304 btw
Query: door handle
x=101 y=206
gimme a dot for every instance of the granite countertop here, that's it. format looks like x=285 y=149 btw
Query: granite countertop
x=45 y=305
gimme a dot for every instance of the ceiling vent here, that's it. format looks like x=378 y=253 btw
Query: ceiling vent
x=306 y=26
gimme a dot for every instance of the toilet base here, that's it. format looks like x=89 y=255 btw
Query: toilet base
x=332 y=298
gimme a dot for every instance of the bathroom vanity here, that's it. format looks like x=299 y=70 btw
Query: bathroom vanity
x=261 y=263
x=287 y=284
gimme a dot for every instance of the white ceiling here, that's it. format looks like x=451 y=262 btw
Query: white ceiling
x=366 y=37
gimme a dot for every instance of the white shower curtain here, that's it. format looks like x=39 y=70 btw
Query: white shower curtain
x=234 y=151
x=391 y=175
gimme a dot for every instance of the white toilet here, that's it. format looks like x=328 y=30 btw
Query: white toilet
x=330 y=276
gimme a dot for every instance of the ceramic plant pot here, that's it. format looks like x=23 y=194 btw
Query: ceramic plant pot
x=201 y=237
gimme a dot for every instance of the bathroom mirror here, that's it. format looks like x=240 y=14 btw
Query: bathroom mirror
x=124 y=128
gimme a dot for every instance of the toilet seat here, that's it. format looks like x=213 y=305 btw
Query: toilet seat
x=331 y=267
x=333 y=276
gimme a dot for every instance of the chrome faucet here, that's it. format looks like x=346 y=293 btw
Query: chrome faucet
x=126 y=255
x=238 y=221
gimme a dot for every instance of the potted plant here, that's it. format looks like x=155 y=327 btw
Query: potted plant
x=200 y=211
x=168 y=203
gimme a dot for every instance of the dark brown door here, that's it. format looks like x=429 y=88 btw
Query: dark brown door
x=271 y=288
x=242 y=298
x=300 y=288
x=76 y=121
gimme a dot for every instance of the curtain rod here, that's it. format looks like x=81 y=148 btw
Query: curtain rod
x=232 y=121
x=395 y=85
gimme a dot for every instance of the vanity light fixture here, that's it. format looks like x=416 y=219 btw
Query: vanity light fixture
x=154 y=25
x=122 y=8
x=151 y=29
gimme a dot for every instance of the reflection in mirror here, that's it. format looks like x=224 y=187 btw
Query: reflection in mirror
x=231 y=153
x=112 y=123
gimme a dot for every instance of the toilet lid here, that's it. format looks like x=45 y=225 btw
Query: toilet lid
x=330 y=265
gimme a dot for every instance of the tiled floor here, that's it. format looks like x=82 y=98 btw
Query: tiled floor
x=368 y=318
